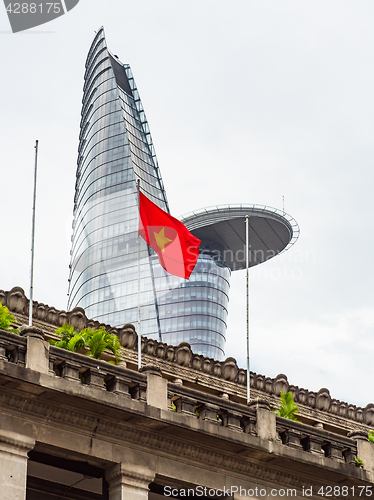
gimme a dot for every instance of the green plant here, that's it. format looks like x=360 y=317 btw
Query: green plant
x=87 y=341
x=99 y=341
x=71 y=339
x=287 y=407
x=359 y=462
x=6 y=320
x=371 y=436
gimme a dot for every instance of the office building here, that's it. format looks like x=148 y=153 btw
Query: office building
x=115 y=150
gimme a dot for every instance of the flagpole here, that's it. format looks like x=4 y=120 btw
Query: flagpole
x=139 y=317
x=33 y=238
x=247 y=304
x=154 y=294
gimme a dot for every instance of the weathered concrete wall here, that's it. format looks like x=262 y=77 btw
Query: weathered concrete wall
x=123 y=422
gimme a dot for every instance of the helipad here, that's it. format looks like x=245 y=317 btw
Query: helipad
x=271 y=231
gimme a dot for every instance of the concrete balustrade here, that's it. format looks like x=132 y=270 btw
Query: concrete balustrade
x=148 y=412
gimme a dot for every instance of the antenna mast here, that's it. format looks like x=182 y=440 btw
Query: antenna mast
x=33 y=238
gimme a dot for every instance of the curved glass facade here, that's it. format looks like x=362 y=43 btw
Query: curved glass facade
x=115 y=149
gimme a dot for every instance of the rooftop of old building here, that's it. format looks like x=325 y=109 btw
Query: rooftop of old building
x=178 y=396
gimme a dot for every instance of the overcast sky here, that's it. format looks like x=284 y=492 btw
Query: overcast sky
x=247 y=101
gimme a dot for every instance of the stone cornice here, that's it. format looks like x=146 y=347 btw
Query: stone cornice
x=237 y=392
x=130 y=434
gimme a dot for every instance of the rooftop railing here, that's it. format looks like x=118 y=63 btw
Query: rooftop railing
x=215 y=410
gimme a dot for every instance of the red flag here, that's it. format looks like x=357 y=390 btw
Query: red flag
x=176 y=247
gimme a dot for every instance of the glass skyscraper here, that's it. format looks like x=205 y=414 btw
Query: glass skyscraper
x=116 y=149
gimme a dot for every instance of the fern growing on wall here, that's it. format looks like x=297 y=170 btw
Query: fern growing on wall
x=6 y=320
x=287 y=407
x=90 y=342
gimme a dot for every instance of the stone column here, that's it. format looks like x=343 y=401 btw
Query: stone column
x=266 y=420
x=157 y=387
x=13 y=464
x=37 y=355
x=129 y=482
x=365 y=449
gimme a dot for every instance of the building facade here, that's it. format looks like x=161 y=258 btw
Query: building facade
x=73 y=427
x=107 y=257
x=115 y=149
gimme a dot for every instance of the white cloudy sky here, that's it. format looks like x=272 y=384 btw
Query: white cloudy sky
x=248 y=101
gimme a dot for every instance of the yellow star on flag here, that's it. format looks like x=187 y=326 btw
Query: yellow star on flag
x=161 y=239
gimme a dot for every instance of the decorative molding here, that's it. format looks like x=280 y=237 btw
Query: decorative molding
x=32 y=331
x=203 y=382
x=135 y=477
x=48 y=412
x=22 y=443
x=152 y=369
x=76 y=421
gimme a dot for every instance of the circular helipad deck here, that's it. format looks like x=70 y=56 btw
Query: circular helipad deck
x=271 y=231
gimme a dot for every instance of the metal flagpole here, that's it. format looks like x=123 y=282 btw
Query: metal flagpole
x=247 y=297
x=33 y=238
x=139 y=326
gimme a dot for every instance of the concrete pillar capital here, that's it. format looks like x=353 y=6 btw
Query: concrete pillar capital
x=129 y=481
x=13 y=464
x=14 y=443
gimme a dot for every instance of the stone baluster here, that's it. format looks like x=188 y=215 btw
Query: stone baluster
x=335 y=451
x=232 y=419
x=209 y=412
x=186 y=406
x=94 y=377
x=70 y=370
x=3 y=353
x=118 y=385
x=315 y=445
x=292 y=438
x=139 y=392
x=249 y=425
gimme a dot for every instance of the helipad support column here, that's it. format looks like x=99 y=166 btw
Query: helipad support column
x=13 y=464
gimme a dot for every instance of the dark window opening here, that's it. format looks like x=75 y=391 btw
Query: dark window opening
x=50 y=477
